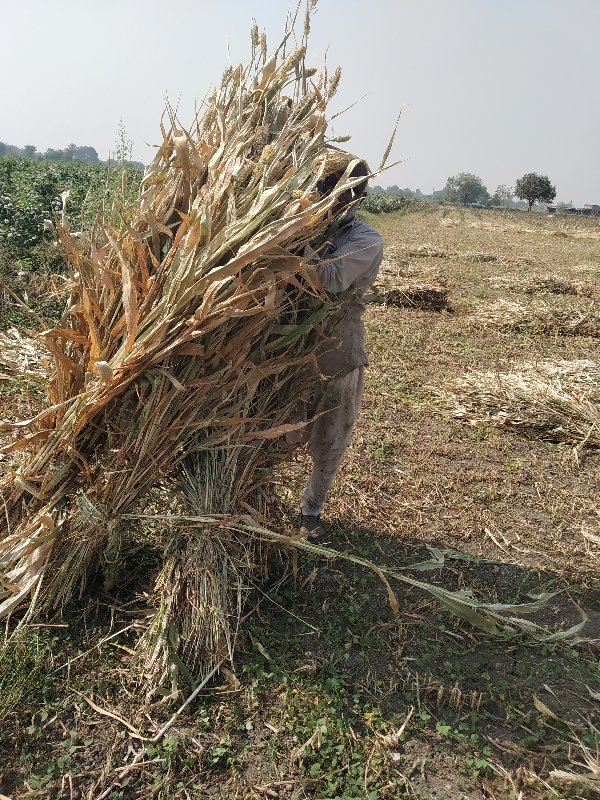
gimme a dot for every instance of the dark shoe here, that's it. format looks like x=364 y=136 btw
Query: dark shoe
x=311 y=528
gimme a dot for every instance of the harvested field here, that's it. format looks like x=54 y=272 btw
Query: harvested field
x=452 y=482
x=333 y=697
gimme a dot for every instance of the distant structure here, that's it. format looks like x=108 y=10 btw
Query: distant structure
x=588 y=210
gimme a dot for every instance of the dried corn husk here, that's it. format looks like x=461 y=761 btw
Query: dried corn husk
x=22 y=357
x=556 y=400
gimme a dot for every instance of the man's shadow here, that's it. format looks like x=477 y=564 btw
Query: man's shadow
x=334 y=615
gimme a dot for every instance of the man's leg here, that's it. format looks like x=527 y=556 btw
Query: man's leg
x=329 y=437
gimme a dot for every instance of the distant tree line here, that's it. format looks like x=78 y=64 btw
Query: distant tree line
x=72 y=152
x=413 y=194
x=85 y=154
x=468 y=189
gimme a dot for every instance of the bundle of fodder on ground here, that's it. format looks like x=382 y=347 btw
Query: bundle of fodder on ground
x=481 y=256
x=539 y=318
x=425 y=296
x=527 y=262
x=509 y=283
x=427 y=250
x=404 y=286
x=553 y=284
x=554 y=400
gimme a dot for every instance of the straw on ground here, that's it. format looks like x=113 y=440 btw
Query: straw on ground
x=555 y=400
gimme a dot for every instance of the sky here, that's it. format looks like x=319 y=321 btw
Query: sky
x=494 y=87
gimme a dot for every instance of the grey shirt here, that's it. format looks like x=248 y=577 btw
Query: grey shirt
x=354 y=264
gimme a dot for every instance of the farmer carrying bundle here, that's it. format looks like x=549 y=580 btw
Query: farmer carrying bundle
x=350 y=260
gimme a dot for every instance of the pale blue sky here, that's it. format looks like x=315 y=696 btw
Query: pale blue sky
x=495 y=87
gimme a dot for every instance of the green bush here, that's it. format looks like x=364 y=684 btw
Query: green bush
x=380 y=203
x=29 y=257
x=30 y=192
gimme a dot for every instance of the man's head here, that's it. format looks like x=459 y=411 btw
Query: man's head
x=349 y=199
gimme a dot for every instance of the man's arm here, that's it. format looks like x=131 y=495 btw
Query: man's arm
x=355 y=263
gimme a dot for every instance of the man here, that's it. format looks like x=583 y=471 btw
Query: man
x=351 y=261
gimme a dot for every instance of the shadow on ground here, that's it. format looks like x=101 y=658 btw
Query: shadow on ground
x=326 y=679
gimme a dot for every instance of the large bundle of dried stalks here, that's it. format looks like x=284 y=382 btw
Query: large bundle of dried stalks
x=540 y=318
x=186 y=347
x=556 y=400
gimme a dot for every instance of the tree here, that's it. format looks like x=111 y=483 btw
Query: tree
x=54 y=155
x=465 y=188
x=69 y=152
x=505 y=194
x=535 y=189
x=87 y=154
x=30 y=150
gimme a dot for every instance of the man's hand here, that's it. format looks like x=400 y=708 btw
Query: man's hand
x=314 y=256
x=311 y=255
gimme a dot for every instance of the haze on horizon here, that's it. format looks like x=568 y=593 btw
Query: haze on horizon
x=494 y=88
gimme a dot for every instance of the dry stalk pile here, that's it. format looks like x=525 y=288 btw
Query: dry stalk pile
x=426 y=251
x=557 y=400
x=553 y=284
x=425 y=296
x=186 y=347
x=540 y=318
x=22 y=357
x=403 y=285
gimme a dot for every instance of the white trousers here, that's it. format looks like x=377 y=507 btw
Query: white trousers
x=338 y=402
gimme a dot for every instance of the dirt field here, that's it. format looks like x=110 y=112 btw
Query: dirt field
x=334 y=698
x=416 y=475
